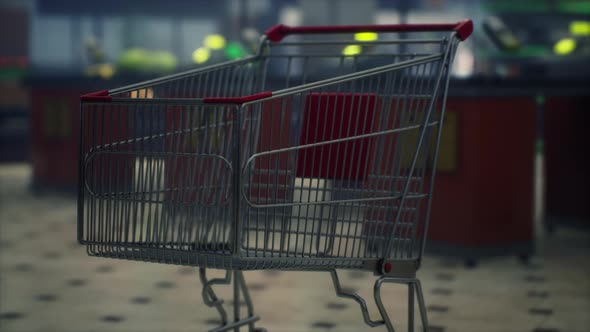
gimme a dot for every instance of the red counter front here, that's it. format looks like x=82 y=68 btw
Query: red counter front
x=566 y=158
x=483 y=197
x=55 y=125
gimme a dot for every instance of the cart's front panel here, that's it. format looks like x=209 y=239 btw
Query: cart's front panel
x=156 y=177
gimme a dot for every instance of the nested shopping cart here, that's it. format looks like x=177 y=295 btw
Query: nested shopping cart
x=317 y=153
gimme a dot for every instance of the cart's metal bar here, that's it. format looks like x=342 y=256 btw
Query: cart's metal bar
x=451 y=48
x=413 y=113
x=350 y=77
x=233 y=325
x=300 y=88
x=159 y=100
x=174 y=203
x=185 y=74
x=350 y=41
x=338 y=140
x=254 y=156
x=151 y=154
x=156 y=136
x=424 y=165
x=236 y=303
x=81 y=175
x=208 y=294
x=353 y=296
x=331 y=55
x=342 y=201
x=157 y=154
x=417 y=150
x=292 y=90
x=413 y=284
x=236 y=180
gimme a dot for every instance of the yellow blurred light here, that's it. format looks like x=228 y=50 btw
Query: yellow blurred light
x=214 y=42
x=351 y=50
x=365 y=36
x=564 y=46
x=580 y=28
x=201 y=55
x=102 y=70
x=106 y=71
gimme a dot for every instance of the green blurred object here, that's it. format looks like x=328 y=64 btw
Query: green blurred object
x=532 y=51
x=539 y=145
x=519 y=6
x=12 y=73
x=234 y=51
x=500 y=34
x=134 y=59
x=162 y=61
x=575 y=7
x=140 y=60
x=525 y=51
x=538 y=6
x=580 y=28
x=565 y=46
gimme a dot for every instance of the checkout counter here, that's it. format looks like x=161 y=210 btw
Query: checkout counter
x=484 y=198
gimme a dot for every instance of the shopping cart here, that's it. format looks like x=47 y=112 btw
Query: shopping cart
x=314 y=154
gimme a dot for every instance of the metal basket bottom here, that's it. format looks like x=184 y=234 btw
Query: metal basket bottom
x=227 y=261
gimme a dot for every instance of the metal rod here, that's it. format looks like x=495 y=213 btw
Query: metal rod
x=353 y=296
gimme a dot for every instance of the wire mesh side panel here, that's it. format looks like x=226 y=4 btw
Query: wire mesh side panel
x=302 y=59
x=236 y=78
x=157 y=181
x=336 y=171
x=296 y=61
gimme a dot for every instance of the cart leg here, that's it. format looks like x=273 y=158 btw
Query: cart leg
x=353 y=296
x=247 y=300
x=414 y=288
x=208 y=294
x=379 y=302
x=422 y=305
x=236 y=299
x=211 y=300
x=413 y=284
x=411 y=307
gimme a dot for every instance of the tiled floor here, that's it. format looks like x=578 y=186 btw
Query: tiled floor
x=47 y=283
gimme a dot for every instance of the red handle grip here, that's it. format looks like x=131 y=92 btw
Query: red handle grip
x=463 y=28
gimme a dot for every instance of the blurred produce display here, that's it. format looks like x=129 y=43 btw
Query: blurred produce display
x=138 y=59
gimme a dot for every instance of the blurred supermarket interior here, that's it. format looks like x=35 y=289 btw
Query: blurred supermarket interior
x=509 y=239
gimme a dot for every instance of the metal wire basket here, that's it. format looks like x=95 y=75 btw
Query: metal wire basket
x=300 y=157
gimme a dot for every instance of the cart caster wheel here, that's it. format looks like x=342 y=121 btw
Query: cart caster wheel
x=470 y=263
x=260 y=329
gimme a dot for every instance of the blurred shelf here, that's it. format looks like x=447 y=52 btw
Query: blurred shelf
x=497 y=86
x=576 y=7
x=172 y=8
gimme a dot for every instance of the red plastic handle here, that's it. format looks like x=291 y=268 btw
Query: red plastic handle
x=102 y=95
x=463 y=28
x=237 y=100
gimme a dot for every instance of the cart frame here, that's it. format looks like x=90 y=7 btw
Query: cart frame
x=230 y=248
